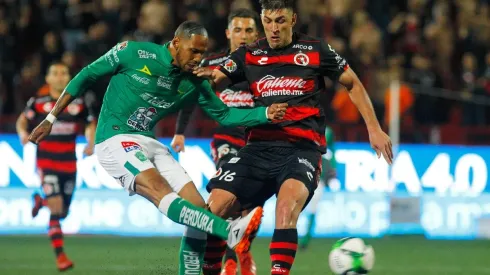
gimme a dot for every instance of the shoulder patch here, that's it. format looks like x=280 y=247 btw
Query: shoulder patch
x=121 y=46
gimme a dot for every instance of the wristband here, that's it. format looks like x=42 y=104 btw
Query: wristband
x=51 y=118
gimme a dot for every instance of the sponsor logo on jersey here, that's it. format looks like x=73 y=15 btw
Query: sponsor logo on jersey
x=130 y=146
x=259 y=52
x=301 y=59
x=236 y=98
x=145 y=70
x=48 y=106
x=74 y=109
x=141 y=118
x=277 y=86
x=63 y=128
x=140 y=79
x=307 y=163
x=302 y=47
x=156 y=101
x=263 y=60
x=141 y=156
x=165 y=82
x=230 y=65
x=146 y=55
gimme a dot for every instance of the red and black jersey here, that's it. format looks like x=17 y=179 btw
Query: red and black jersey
x=56 y=153
x=237 y=95
x=293 y=74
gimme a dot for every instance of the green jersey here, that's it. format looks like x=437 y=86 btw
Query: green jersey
x=145 y=87
x=329 y=157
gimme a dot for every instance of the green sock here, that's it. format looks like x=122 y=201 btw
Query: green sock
x=183 y=212
x=192 y=249
x=311 y=223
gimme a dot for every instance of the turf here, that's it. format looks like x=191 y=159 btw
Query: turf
x=103 y=255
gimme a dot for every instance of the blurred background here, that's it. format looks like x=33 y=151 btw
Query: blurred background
x=429 y=60
x=437 y=49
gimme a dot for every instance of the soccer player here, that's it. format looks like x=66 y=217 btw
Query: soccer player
x=328 y=173
x=56 y=159
x=284 y=158
x=227 y=141
x=150 y=81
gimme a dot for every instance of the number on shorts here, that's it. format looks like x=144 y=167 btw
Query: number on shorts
x=227 y=176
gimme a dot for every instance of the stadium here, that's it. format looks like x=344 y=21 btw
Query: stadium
x=425 y=65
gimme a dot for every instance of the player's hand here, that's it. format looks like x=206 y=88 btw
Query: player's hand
x=277 y=111
x=178 y=143
x=40 y=132
x=381 y=143
x=204 y=72
x=89 y=150
x=24 y=138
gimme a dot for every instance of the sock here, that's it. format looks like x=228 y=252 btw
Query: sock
x=56 y=234
x=192 y=250
x=215 y=250
x=230 y=255
x=184 y=212
x=283 y=250
x=311 y=223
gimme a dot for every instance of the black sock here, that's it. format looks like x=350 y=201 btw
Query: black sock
x=283 y=250
x=56 y=234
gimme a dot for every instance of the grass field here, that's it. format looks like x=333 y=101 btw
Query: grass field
x=104 y=255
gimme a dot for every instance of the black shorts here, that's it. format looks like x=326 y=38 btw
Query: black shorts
x=59 y=184
x=222 y=151
x=257 y=173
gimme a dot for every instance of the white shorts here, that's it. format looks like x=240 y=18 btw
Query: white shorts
x=125 y=156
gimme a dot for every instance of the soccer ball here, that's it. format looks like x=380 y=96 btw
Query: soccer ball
x=351 y=256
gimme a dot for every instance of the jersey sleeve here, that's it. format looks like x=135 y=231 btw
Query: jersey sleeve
x=234 y=66
x=226 y=116
x=30 y=111
x=108 y=64
x=332 y=64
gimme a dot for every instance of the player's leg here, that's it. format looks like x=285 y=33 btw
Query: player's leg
x=52 y=186
x=297 y=184
x=224 y=151
x=242 y=180
x=137 y=174
x=193 y=242
x=312 y=207
x=38 y=202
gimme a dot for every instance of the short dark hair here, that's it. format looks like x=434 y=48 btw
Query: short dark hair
x=188 y=28
x=244 y=13
x=277 y=4
x=58 y=63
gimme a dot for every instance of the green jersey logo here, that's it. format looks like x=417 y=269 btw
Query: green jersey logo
x=141 y=118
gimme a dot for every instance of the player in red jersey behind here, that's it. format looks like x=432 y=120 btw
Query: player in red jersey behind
x=284 y=159
x=56 y=158
x=242 y=29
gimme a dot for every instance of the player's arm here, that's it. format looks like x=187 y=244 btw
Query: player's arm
x=183 y=118
x=105 y=65
x=229 y=72
x=22 y=123
x=226 y=116
x=336 y=68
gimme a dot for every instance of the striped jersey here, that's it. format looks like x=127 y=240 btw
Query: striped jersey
x=56 y=153
x=294 y=75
